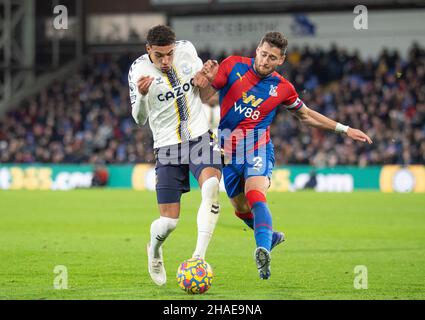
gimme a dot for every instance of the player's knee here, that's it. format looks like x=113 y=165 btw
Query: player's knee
x=210 y=189
x=169 y=223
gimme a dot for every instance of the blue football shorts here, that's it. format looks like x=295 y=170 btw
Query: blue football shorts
x=258 y=163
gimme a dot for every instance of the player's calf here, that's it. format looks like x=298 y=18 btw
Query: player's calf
x=160 y=230
x=208 y=214
x=277 y=238
x=262 y=219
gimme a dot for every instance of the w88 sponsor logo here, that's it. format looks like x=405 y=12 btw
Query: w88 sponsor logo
x=248 y=112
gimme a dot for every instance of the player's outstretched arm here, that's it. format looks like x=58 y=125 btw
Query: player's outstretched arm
x=318 y=120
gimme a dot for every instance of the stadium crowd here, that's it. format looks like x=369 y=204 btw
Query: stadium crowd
x=86 y=118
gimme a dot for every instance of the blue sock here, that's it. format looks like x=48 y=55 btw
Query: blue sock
x=262 y=219
x=262 y=225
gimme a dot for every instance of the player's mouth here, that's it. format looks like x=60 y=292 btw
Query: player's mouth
x=263 y=70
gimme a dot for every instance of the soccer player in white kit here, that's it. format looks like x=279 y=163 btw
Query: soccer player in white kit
x=163 y=88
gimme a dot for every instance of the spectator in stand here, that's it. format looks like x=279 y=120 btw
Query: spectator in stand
x=86 y=118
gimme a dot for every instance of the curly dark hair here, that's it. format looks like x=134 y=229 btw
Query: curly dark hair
x=275 y=39
x=161 y=35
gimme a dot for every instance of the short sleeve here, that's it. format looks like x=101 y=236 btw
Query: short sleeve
x=291 y=100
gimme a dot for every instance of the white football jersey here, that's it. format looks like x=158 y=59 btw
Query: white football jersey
x=173 y=104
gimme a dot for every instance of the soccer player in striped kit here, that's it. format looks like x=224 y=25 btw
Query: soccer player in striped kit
x=250 y=91
x=164 y=90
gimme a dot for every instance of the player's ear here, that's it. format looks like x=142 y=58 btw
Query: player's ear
x=148 y=48
x=282 y=59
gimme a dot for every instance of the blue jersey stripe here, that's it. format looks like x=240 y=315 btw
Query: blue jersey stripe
x=238 y=71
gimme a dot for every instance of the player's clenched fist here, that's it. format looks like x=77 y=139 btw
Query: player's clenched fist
x=210 y=69
x=144 y=83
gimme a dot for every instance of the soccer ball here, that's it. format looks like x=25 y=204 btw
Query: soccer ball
x=194 y=276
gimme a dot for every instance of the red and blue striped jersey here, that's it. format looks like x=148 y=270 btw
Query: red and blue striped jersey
x=248 y=102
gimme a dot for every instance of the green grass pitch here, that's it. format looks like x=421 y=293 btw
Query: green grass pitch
x=101 y=235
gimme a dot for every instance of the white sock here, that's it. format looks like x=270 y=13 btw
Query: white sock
x=207 y=215
x=160 y=229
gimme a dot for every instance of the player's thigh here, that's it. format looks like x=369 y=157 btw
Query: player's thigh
x=205 y=158
x=240 y=203
x=233 y=181
x=171 y=182
x=258 y=170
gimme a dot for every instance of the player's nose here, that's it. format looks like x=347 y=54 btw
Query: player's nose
x=166 y=61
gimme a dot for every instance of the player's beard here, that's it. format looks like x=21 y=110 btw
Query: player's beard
x=263 y=72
